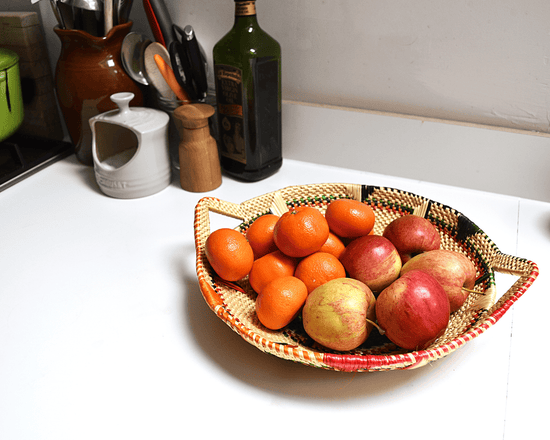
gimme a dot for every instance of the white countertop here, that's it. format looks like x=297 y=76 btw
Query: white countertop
x=104 y=333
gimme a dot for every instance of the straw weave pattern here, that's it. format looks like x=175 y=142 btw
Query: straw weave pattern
x=235 y=303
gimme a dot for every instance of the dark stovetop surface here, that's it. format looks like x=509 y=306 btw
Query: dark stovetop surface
x=23 y=155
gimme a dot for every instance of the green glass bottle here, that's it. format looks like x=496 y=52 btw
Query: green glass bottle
x=247 y=68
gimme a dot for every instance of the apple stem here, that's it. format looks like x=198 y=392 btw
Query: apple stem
x=380 y=329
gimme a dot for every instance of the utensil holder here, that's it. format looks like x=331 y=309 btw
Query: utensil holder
x=89 y=70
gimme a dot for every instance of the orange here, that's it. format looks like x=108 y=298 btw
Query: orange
x=280 y=302
x=229 y=254
x=300 y=232
x=349 y=218
x=273 y=265
x=260 y=235
x=318 y=268
x=333 y=245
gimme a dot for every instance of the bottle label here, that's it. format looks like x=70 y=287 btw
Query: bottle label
x=265 y=115
x=229 y=94
x=243 y=9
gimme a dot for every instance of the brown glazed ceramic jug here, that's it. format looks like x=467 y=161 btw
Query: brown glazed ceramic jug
x=89 y=70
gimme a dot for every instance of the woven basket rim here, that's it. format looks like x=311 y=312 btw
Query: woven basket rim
x=279 y=200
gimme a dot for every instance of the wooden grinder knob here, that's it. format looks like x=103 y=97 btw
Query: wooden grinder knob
x=200 y=169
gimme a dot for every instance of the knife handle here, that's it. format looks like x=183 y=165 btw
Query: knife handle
x=197 y=62
x=181 y=71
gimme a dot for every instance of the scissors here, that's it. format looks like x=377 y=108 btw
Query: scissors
x=188 y=62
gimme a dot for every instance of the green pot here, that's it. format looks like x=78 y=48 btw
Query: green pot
x=11 y=101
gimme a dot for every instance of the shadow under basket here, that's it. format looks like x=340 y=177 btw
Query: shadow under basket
x=234 y=303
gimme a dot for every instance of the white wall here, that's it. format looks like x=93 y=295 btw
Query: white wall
x=475 y=61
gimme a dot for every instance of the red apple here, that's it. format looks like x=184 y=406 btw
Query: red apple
x=413 y=311
x=335 y=314
x=411 y=235
x=454 y=271
x=373 y=260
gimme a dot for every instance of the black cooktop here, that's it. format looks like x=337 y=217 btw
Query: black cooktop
x=23 y=155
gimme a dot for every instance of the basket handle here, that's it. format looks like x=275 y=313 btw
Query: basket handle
x=526 y=270
x=222 y=207
x=202 y=231
x=513 y=265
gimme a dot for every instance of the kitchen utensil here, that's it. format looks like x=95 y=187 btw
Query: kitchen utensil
x=189 y=56
x=88 y=16
x=179 y=52
x=164 y=21
x=123 y=8
x=133 y=54
x=108 y=15
x=196 y=60
x=130 y=149
x=11 y=100
x=65 y=8
x=234 y=303
x=154 y=77
x=55 y=9
x=182 y=68
x=90 y=5
x=88 y=21
x=153 y=22
x=168 y=75
x=200 y=169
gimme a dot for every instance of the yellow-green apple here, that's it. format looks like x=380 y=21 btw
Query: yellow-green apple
x=413 y=311
x=411 y=235
x=454 y=271
x=373 y=260
x=335 y=314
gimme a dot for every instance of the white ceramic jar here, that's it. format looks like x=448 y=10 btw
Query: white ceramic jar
x=130 y=149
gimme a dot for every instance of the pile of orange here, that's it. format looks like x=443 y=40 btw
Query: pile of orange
x=287 y=257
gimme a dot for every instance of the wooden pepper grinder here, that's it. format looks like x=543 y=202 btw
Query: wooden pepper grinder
x=198 y=152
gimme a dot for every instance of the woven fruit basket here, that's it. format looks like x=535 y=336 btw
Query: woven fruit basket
x=234 y=303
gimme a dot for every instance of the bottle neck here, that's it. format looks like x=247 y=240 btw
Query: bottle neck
x=245 y=8
x=245 y=13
